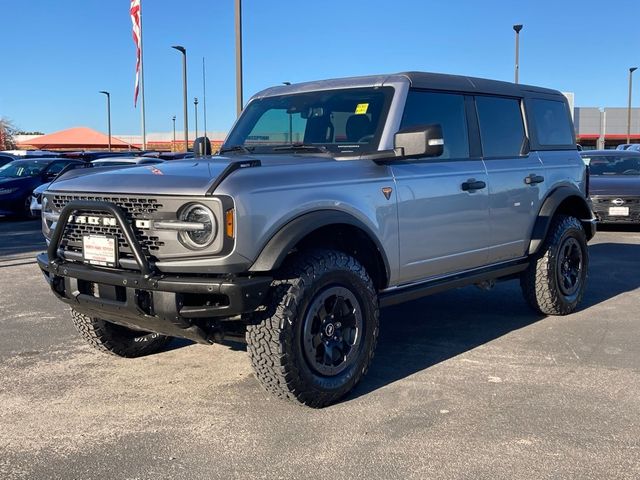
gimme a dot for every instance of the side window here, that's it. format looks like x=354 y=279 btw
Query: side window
x=447 y=109
x=552 y=122
x=501 y=127
x=56 y=167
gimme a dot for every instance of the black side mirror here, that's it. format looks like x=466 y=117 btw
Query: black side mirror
x=420 y=141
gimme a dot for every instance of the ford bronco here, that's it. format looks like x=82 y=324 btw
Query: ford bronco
x=328 y=201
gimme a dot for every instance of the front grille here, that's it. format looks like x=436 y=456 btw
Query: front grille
x=601 y=205
x=135 y=208
x=608 y=200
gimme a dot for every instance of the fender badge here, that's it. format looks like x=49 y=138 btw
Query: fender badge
x=156 y=171
x=387 y=192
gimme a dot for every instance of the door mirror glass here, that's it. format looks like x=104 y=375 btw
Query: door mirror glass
x=420 y=141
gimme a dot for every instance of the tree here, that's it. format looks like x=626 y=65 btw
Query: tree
x=7 y=134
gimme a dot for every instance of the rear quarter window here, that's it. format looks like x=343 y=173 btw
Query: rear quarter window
x=551 y=121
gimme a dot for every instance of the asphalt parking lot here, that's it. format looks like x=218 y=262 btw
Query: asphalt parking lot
x=465 y=384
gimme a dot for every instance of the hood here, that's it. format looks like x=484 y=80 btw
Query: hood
x=614 y=184
x=176 y=177
x=184 y=177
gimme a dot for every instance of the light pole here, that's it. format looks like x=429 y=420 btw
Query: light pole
x=238 y=56
x=631 y=70
x=109 y=114
x=204 y=100
x=517 y=29
x=173 y=145
x=195 y=106
x=183 y=50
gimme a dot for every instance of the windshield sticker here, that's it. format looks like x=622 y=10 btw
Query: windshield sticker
x=362 y=108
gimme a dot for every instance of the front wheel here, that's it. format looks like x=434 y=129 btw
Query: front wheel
x=555 y=281
x=116 y=339
x=317 y=338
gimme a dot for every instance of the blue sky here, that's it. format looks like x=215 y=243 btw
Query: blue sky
x=59 y=54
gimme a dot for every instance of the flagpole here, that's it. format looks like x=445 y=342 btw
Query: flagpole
x=142 y=114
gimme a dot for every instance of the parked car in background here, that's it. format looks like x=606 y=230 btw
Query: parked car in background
x=112 y=162
x=169 y=155
x=35 y=206
x=623 y=146
x=6 y=158
x=89 y=156
x=19 y=178
x=25 y=154
x=614 y=184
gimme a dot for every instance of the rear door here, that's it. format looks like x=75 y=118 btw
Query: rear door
x=443 y=226
x=516 y=177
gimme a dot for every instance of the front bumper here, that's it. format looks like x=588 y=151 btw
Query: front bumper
x=171 y=305
x=602 y=208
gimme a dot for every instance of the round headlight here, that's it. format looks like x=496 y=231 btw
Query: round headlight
x=204 y=229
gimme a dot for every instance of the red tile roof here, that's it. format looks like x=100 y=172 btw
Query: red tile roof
x=78 y=138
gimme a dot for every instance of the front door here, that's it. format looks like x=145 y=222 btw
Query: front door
x=443 y=202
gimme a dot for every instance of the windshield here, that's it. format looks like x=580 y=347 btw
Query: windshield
x=23 y=168
x=339 y=121
x=613 y=165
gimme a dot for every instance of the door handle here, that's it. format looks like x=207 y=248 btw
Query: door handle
x=472 y=185
x=533 y=179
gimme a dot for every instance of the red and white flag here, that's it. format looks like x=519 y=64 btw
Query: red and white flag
x=137 y=39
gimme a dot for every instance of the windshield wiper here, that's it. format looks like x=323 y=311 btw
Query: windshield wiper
x=300 y=147
x=237 y=148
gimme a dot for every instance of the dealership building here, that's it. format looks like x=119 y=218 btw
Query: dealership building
x=605 y=127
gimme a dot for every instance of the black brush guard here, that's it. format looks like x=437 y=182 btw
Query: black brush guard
x=146 y=300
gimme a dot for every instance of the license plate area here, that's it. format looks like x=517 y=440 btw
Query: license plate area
x=619 y=211
x=100 y=250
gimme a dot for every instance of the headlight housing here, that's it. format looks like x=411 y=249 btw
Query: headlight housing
x=204 y=227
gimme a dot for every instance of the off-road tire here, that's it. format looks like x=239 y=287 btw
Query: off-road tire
x=541 y=281
x=275 y=340
x=115 y=339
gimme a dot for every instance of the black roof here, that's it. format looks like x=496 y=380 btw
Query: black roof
x=441 y=81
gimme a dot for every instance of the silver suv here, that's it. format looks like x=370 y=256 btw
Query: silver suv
x=329 y=200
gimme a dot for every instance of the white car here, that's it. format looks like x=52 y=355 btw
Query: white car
x=36 y=200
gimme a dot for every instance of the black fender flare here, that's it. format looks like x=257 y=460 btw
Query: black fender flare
x=279 y=246
x=548 y=209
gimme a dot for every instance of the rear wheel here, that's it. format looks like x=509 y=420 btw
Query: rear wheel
x=317 y=338
x=116 y=339
x=555 y=281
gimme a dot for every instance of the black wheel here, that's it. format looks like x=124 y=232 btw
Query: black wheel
x=318 y=335
x=116 y=339
x=555 y=281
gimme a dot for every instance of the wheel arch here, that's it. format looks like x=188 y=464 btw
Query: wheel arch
x=327 y=229
x=563 y=200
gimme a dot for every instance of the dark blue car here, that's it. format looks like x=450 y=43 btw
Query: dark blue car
x=20 y=177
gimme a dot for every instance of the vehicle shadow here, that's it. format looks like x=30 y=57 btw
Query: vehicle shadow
x=423 y=333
